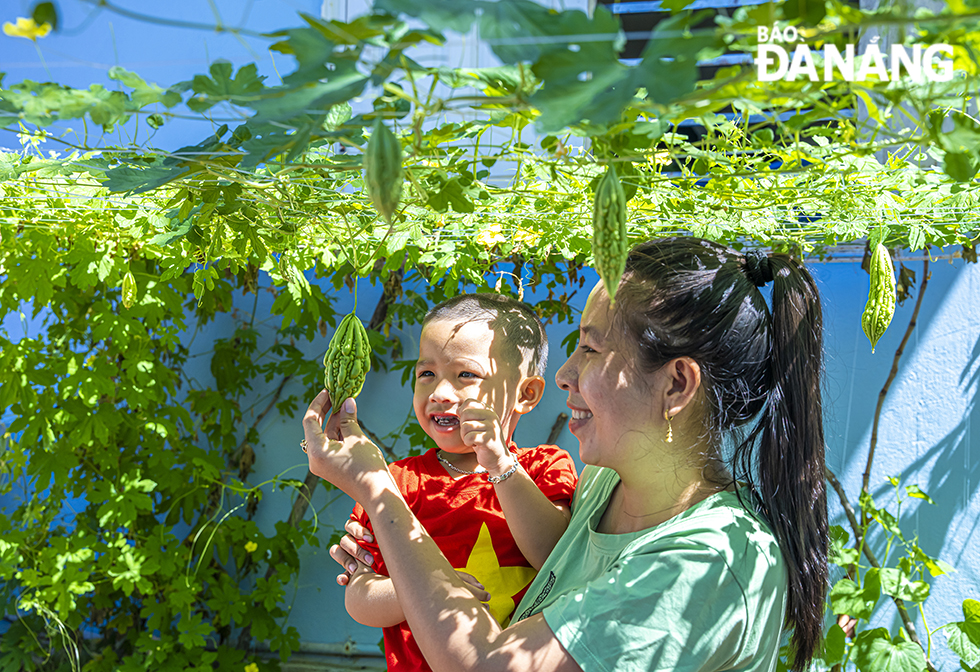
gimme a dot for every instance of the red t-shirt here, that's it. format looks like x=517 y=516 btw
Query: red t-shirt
x=464 y=518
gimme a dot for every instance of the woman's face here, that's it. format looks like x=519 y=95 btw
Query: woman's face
x=612 y=402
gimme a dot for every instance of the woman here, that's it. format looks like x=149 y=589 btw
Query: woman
x=672 y=560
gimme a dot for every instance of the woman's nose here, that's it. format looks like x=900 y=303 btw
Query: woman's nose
x=567 y=375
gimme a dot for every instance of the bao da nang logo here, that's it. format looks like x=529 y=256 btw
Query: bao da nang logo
x=780 y=58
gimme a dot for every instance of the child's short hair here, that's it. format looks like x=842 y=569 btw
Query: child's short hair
x=524 y=338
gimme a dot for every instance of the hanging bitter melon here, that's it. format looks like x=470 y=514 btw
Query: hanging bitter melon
x=347 y=361
x=881 y=297
x=609 y=244
x=383 y=169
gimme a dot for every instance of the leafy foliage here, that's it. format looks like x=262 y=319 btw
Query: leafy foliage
x=902 y=579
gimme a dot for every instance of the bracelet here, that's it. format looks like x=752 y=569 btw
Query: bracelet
x=504 y=476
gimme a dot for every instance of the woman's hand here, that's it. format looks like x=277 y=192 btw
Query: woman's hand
x=349 y=555
x=348 y=552
x=341 y=454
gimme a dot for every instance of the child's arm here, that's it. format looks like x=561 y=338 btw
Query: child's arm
x=535 y=521
x=370 y=599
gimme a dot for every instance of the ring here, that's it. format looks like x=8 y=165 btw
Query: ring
x=302 y=444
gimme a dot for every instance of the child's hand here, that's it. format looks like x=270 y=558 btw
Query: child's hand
x=480 y=428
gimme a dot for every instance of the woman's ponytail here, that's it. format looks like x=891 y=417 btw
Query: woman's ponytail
x=790 y=453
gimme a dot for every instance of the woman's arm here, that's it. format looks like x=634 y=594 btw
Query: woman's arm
x=450 y=625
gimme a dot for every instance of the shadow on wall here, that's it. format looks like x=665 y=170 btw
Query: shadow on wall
x=952 y=479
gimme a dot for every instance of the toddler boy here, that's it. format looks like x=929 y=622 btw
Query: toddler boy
x=495 y=510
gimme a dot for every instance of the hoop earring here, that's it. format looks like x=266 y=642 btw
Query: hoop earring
x=670 y=430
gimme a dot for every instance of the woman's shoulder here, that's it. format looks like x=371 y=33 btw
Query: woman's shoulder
x=727 y=526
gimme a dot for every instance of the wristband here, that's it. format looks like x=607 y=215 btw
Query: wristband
x=504 y=476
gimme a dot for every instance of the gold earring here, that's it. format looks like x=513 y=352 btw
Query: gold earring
x=670 y=430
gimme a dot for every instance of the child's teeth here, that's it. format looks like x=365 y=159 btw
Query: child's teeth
x=580 y=415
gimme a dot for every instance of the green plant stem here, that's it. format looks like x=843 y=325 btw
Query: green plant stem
x=873 y=561
x=176 y=23
x=925 y=626
x=557 y=427
x=891 y=375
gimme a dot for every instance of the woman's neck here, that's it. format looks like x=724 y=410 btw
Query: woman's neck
x=641 y=502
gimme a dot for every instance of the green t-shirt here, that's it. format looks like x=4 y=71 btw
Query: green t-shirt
x=703 y=591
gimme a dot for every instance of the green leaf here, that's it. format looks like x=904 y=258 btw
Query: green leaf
x=833 y=646
x=847 y=597
x=338 y=115
x=584 y=80
x=669 y=66
x=812 y=12
x=138 y=180
x=286 y=102
x=45 y=12
x=437 y=14
x=964 y=636
x=916 y=491
x=898 y=583
x=220 y=86
x=313 y=51
x=143 y=93
x=676 y=6
x=961 y=166
x=875 y=651
x=840 y=554
x=453 y=194
x=170 y=236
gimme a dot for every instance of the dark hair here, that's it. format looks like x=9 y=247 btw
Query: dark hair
x=523 y=336
x=695 y=298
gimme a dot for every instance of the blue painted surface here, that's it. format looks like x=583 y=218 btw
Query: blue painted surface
x=92 y=40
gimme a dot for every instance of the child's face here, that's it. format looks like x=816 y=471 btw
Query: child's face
x=458 y=361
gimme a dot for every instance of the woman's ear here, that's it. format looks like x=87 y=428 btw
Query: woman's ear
x=683 y=379
x=531 y=392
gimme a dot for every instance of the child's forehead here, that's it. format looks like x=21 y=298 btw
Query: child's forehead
x=460 y=338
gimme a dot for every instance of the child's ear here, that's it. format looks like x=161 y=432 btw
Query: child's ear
x=531 y=392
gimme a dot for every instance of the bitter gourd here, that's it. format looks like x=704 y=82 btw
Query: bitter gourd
x=128 y=290
x=881 y=297
x=347 y=361
x=609 y=244
x=383 y=169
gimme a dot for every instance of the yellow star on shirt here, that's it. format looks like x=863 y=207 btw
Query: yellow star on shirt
x=501 y=582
